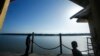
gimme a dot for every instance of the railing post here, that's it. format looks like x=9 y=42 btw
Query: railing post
x=32 y=42
x=60 y=43
x=87 y=47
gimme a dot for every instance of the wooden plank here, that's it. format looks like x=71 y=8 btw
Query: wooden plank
x=3 y=12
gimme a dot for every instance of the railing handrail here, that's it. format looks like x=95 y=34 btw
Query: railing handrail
x=48 y=34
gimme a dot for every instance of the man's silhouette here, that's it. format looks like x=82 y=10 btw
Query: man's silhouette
x=75 y=51
x=27 y=45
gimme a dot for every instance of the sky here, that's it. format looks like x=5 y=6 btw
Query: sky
x=43 y=16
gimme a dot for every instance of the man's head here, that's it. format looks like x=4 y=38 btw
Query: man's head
x=74 y=44
x=29 y=35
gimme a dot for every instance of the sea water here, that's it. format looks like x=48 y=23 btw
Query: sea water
x=16 y=44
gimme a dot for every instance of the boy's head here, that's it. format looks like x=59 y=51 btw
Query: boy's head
x=74 y=44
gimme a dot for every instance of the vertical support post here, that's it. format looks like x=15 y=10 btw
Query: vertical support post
x=32 y=42
x=60 y=43
x=95 y=11
x=87 y=46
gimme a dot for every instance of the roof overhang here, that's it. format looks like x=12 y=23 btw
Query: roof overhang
x=82 y=15
x=82 y=3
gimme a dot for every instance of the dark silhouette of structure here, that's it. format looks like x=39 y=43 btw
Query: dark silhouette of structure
x=75 y=51
x=91 y=15
x=27 y=45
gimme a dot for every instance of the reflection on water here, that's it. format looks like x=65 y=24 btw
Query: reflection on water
x=12 y=43
x=17 y=43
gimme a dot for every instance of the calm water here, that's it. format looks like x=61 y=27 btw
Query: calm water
x=17 y=43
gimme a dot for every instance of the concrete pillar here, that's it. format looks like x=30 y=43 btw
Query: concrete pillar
x=95 y=10
x=92 y=32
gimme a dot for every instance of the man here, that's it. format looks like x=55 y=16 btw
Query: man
x=27 y=45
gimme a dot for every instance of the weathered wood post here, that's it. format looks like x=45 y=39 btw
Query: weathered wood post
x=60 y=38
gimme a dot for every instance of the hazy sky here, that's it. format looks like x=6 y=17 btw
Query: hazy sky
x=43 y=16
